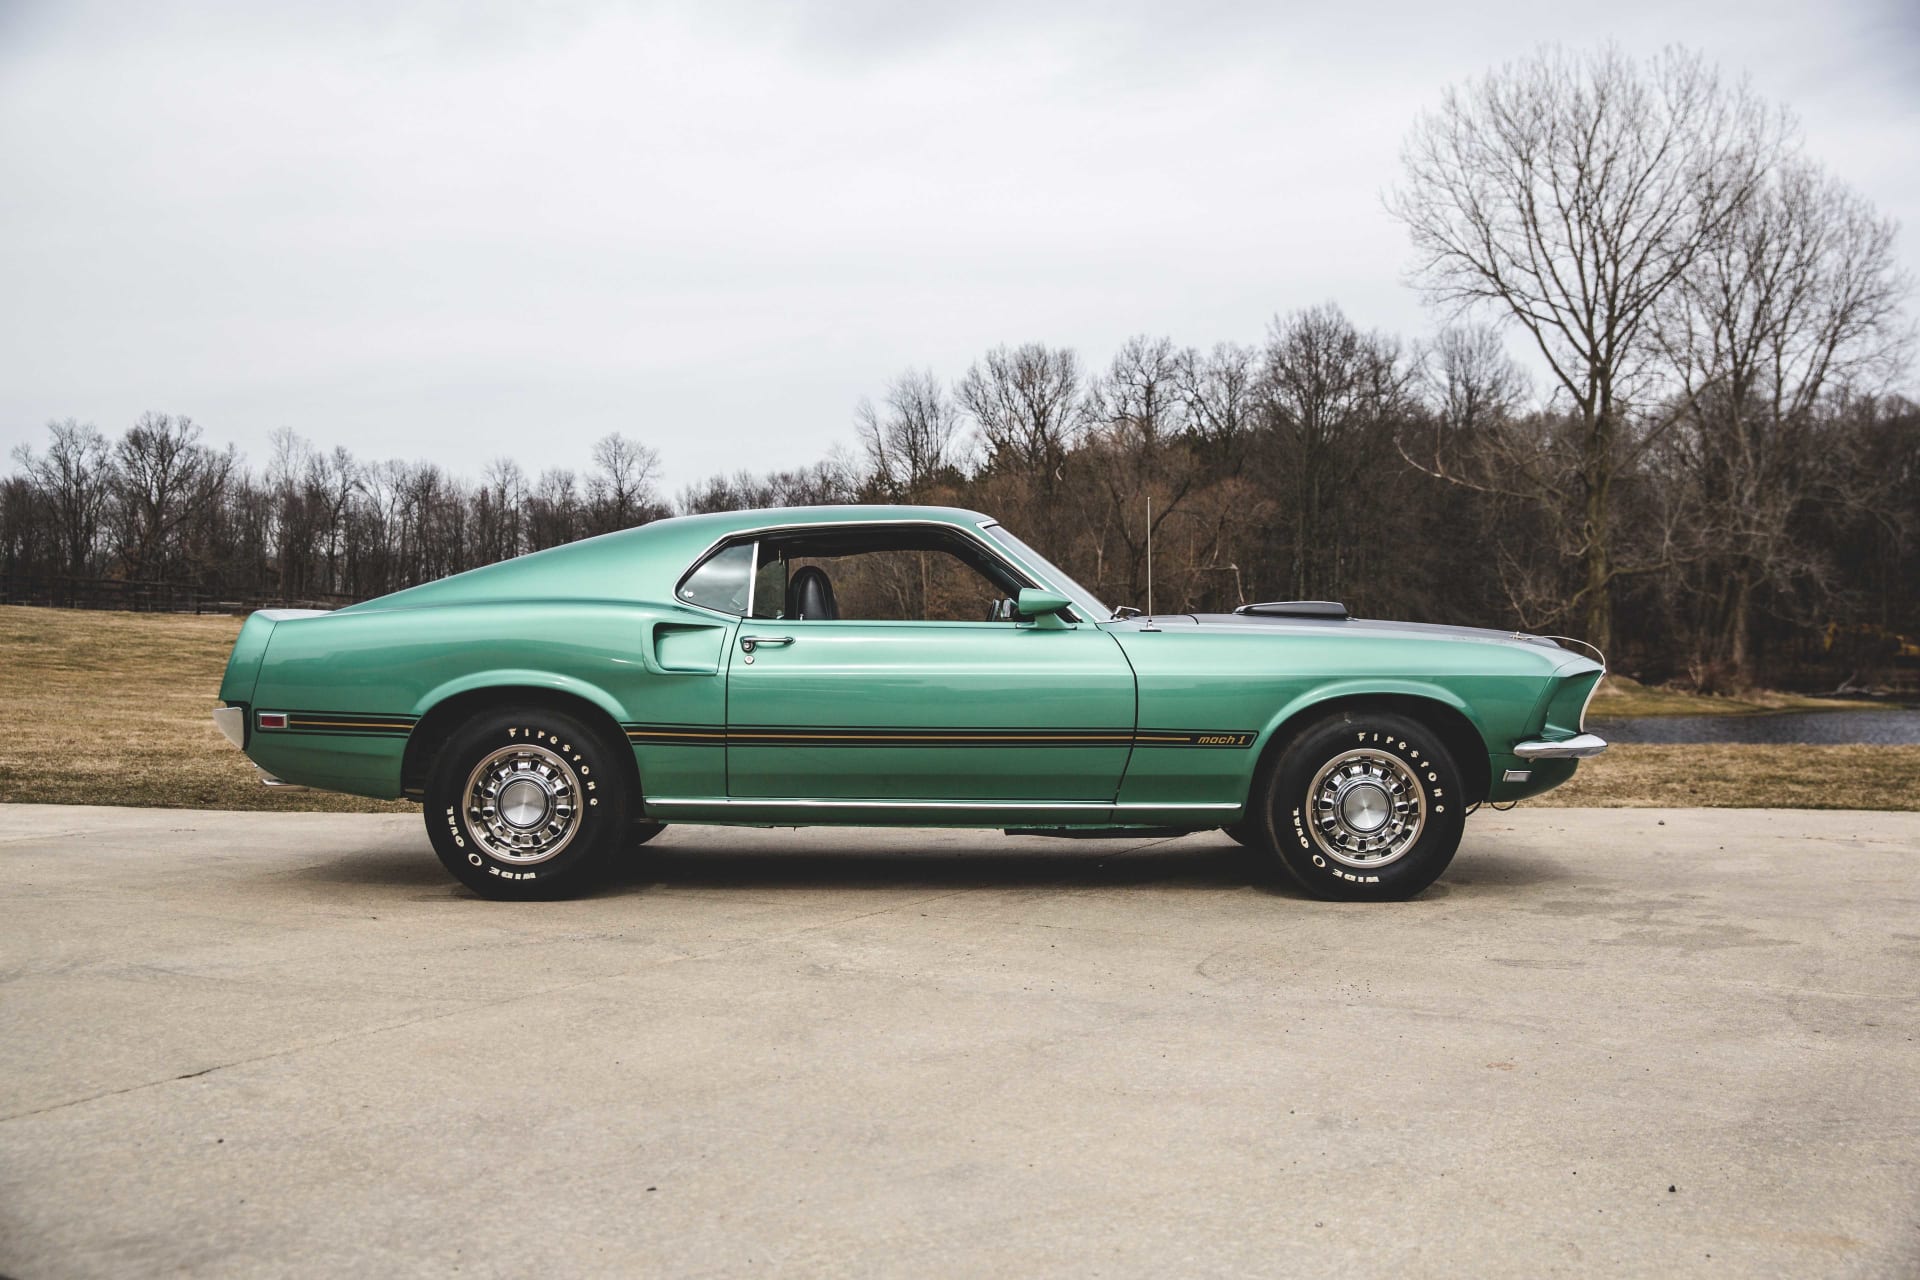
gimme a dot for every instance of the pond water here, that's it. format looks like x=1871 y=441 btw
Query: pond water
x=1880 y=727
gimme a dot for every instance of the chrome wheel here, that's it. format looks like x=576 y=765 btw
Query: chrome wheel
x=1366 y=809
x=523 y=804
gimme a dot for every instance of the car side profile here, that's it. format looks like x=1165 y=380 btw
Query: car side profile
x=891 y=665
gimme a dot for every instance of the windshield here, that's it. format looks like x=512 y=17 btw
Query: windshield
x=1052 y=572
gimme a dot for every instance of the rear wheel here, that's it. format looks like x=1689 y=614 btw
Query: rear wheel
x=526 y=803
x=1365 y=806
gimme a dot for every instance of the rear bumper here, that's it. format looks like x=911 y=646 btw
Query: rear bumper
x=232 y=723
x=1579 y=747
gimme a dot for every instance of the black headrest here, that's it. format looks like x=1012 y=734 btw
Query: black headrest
x=810 y=595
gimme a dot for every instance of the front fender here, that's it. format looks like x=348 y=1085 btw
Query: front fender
x=1372 y=687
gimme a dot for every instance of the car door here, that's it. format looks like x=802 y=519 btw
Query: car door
x=916 y=710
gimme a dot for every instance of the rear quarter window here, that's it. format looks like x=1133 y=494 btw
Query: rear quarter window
x=723 y=581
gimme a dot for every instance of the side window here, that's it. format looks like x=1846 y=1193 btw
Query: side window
x=722 y=581
x=931 y=585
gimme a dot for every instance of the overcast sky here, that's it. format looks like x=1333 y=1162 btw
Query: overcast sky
x=460 y=230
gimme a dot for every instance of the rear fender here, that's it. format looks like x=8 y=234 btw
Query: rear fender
x=516 y=677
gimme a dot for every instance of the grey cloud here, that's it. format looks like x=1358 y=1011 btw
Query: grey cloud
x=463 y=230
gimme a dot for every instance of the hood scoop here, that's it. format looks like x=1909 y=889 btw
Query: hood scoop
x=1296 y=609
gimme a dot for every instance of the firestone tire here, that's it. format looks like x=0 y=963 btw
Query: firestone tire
x=1365 y=806
x=527 y=803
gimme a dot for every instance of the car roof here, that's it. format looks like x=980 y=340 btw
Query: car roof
x=644 y=562
x=720 y=523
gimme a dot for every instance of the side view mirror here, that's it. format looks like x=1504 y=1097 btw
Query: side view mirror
x=1044 y=607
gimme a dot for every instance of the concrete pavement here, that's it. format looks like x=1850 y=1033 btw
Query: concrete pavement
x=1626 y=1042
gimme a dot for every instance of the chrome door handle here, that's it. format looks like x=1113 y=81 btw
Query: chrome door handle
x=749 y=643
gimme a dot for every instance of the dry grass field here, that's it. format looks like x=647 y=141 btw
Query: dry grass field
x=115 y=708
x=112 y=708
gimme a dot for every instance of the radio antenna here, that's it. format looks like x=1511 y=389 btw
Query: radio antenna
x=1148 y=624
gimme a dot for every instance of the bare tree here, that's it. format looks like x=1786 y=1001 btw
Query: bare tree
x=1136 y=450
x=75 y=478
x=1220 y=393
x=1140 y=395
x=1028 y=403
x=620 y=492
x=499 y=511
x=910 y=443
x=553 y=510
x=834 y=479
x=1569 y=193
x=1472 y=380
x=163 y=478
x=1798 y=302
x=1329 y=392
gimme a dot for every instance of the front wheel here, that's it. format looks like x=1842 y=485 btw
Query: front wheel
x=526 y=803
x=1365 y=806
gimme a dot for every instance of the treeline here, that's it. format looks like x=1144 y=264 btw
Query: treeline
x=1716 y=480
x=1322 y=462
x=161 y=505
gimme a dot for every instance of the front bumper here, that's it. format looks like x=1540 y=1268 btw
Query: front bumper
x=1579 y=747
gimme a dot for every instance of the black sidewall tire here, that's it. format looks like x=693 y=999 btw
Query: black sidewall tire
x=1433 y=768
x=603 y=820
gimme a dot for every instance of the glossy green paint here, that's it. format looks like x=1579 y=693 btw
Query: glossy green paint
x=1056 y=686
x=1068 y=721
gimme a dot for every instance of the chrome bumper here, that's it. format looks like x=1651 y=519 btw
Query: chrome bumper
x=232 y=724
x=1579 y=747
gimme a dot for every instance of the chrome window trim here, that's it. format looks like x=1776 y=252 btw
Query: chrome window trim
x=1091 y=607
x=674 y=593
x=993 y=550
x=753 y=579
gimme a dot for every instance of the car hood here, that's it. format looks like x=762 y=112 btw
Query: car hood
x=1330 y=628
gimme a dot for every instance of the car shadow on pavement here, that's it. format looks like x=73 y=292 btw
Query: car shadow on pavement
x=1198 y=863
x=1169 y=865
x=387 y=866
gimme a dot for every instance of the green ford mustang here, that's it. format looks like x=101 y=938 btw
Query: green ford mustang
x=891 y=666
